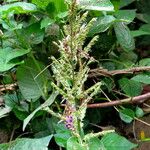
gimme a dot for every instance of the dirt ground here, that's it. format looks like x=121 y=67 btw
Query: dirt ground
x=4 y=137
x=136 y=129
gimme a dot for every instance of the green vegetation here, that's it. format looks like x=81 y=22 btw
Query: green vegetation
x=71 y=71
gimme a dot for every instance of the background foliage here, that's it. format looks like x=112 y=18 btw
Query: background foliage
x=27 y=31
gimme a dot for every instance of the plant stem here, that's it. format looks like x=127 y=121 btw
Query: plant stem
x=71 y=20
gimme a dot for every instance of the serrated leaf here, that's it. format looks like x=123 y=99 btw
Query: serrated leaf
x=127 y=115
x=113 y=141
x=101 y=24
x=130 y=87
x=124 y=36
x=143 y=78
x=8 y=57
x=27 y=143
x=17 y=8
x=31 y=87
x=47 y=103
x=99 y=5
x=126 y=15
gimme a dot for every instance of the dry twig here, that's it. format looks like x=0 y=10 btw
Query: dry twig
x=132 y=100
x=105 y=72
x=8 y=87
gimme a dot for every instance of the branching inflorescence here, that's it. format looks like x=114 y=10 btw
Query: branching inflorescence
x=71 y=69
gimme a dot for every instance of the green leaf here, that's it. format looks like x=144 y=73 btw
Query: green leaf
x=143 y=30
x=116 y=4
x=21 y=115
x=12 y=0
x=125 y=2
x=8 y=57
x=47 y=103
x=143 y=78
x=4 y=146
x=72 y=144
x=145 y=140
x=62 y=14
x=46 y=22
x=113 y=141
x=33 y=34
x=101 y=24
x=144 y=62
x=62 y=135
x=126 y=15
x=16 y=102
x=31 y=87
x=130 y=87
x=12 y=24
x=143 y=17
x=11 y=100
x=99 y=5
x=124 y=36
x=126 y=57
x=27 y=143
x=41 y=3
x=60 y=128
x=108 y=83
x=137 y=33
x=56 y=6
x=4 y=111
x=127 y=115
x=60 y=6
x=95 y=144
x=61 y=138
x=17 y=8
x=145 y=27
x=139 y=112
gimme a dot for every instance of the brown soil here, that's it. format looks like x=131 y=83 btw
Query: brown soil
x=4 y=137
x=136 y=129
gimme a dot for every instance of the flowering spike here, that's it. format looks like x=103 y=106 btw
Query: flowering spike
x=71 y=69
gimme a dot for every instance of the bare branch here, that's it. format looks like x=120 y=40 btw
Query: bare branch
x=105 y=72
x=132 y=100
x=8 y=87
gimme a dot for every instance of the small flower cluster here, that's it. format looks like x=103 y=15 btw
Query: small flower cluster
x=69 y=122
